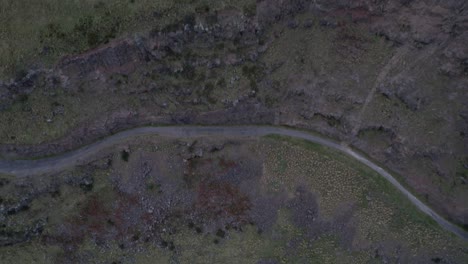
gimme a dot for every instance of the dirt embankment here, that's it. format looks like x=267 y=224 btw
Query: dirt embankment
x=388 y=77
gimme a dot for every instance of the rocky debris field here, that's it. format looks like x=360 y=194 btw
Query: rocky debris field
x=387 y=77
x=268 y=200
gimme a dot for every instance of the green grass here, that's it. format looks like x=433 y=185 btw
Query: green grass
x=406 y=210
x=71 y=27
x=6 y=176
x=37 y=33
x=394 y=195
x=286 y=242
x=51 y=28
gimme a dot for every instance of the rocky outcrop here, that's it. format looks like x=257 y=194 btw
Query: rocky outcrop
x=424 y=140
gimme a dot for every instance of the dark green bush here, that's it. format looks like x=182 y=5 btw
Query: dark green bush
x=124 y=155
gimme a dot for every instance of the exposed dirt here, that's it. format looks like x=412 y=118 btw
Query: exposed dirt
x=214 y=199
x=335 y=67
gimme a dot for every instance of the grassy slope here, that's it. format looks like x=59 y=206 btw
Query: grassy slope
x=389 y=192
x=335 y=178
x=67 y=27
x=40 y=32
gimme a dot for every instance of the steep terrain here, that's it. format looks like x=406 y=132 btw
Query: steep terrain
x=387 y=77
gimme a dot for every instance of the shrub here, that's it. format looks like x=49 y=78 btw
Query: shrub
x=125 y=155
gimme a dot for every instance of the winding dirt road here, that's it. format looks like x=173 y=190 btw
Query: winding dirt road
x=22 y=168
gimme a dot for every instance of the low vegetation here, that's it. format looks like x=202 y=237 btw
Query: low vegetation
x=273 y=199
x=35 y=33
